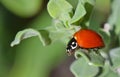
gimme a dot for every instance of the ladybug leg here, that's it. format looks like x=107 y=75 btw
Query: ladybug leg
x=95 y=49
x=78 y=47
x=84 y=50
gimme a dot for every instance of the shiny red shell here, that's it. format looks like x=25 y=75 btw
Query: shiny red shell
x=87 y=38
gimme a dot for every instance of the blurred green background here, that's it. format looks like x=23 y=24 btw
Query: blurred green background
x=30 y=58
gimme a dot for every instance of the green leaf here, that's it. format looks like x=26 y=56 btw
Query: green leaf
x=23 y=8
x=117 y=30
x=92 y=2
x=108 y=72
x=83 y=9
x=98 y=16
x=91 y=58
x=114 y=18
x=115 y=57
x=105 y=37
x=79 y=12
x=80 y=68
x=60 y=9
x=96 y=59
x=81 y=53
x=27 y=33
x=57 y=31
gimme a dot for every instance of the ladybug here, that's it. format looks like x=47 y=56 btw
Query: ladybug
x=85 y=39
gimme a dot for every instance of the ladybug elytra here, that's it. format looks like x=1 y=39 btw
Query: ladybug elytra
x=86 y=39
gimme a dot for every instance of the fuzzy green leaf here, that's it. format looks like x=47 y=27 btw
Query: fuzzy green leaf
x=79 y=12
x=91 y=58
x=114 y=19
x=27 y=33
x=105 y=37
x=108 y=72
x=117 y=8
x=58 y=32
x=115 y=57
x=98 y=16
x=60 y=9
x=96 y=59
x=80 y=68
x=80 y=53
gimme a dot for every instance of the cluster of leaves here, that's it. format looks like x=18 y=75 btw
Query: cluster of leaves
x=68 y=19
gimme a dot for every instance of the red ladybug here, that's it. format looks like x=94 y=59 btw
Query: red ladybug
x=86 y=39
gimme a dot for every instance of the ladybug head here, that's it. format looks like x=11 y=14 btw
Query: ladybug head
x=72 y=45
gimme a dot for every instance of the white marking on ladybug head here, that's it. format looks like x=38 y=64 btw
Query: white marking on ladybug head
x=73 y=42
x=74 y=45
